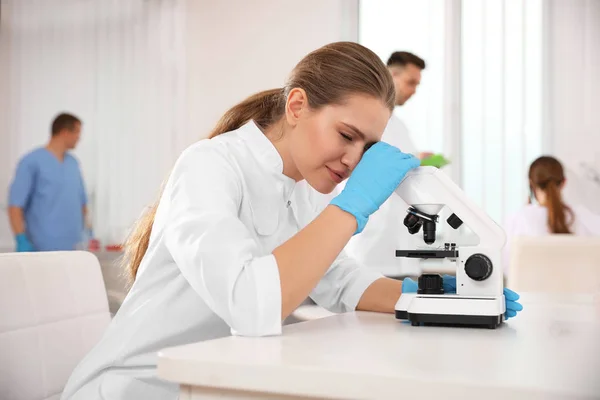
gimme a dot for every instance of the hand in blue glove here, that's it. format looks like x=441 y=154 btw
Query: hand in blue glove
x=23 y=244
x=374 y=179
x=449 y=285
x=512 y=306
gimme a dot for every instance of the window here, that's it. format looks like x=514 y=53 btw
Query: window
x=500 y=87
x=386 y=26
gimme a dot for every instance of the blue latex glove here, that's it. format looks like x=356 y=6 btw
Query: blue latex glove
x=374 y=179
x=23 y=244
x=449 y=284
x=512 y=306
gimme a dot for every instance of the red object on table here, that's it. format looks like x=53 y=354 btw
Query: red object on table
x=114 y=247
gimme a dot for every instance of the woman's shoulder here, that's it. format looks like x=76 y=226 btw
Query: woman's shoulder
x=586 y=221
x=214 y=153
x=527 y=219
x=529 y=210
x=583 y=210
x=208 y=162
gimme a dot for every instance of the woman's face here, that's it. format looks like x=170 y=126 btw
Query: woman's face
x=325 y=145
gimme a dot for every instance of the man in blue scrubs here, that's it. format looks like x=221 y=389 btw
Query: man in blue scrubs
x=47 y=200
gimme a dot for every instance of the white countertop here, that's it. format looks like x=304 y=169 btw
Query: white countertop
x=550 y=351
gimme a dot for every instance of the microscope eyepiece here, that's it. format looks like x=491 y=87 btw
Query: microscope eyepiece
x=413 y=223
x=415 y=219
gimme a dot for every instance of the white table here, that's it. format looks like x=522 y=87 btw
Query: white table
x=550 y=351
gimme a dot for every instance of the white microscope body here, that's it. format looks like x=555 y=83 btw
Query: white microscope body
x=479 y=298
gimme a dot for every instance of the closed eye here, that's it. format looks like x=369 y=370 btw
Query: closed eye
x=345 y=136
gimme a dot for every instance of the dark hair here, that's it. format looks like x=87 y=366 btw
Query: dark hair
x=546 y=173
x=403 y=58
x=64 y=121
x=328 y=75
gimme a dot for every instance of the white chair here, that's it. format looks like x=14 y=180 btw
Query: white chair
x=556 y=263
x=53 y=310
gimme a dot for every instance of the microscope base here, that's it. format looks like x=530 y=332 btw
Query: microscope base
x=483 y=321
x=451 y=310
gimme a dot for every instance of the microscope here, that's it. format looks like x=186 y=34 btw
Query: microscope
x=479 y=299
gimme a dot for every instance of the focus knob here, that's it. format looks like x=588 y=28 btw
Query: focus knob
x=478 y=267
x=430 y=284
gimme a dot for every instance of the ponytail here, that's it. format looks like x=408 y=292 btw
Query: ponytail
x=546 y=173
x=264 y=108
x=557 y=210
x=137 y=243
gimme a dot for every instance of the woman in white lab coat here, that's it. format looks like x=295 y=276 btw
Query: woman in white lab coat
x=236 y=242
x=547 y=213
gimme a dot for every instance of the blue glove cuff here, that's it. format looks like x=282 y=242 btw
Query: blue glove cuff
x=356 y=204
x=361 y=221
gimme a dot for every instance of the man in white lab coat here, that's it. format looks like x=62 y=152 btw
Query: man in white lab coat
x=406 y=70
x=376 y=246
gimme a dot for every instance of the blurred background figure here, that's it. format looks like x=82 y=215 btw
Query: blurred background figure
x=547 y=213
x=47 y=199
x=405 y=68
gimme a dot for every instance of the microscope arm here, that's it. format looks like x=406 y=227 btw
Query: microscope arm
x=428 y=189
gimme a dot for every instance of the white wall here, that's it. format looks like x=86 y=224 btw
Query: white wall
x=238 y=48
x=572 y=122
x=5 y=134
x=147 y=78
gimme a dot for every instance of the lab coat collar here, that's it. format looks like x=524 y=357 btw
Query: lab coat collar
x=267 y=155
x=268 y=194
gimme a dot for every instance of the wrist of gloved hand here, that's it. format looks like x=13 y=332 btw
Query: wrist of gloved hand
x=351 y=207
x=23 y=243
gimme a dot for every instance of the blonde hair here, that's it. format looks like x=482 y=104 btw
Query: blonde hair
x=328 y=75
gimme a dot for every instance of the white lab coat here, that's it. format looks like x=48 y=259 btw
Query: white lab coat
x=375 y=247
x=532 y=220
x=209 y=270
